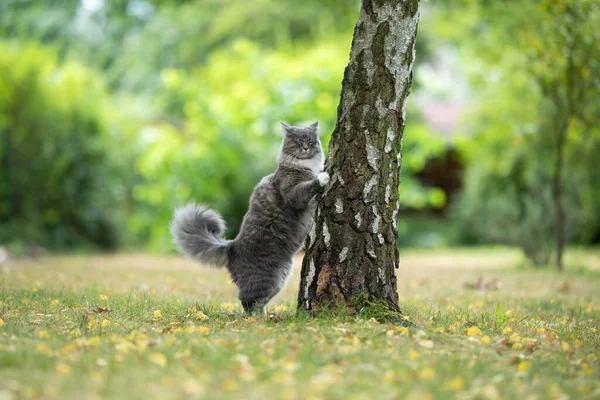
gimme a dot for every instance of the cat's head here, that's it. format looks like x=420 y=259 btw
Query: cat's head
x=302 y=143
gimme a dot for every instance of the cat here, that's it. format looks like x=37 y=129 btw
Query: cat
x=261 y=257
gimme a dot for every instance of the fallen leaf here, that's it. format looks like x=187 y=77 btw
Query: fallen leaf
x=457 y=384
x=158 y=359
x=563 y=287
x=426 y=373
x=473 y=331
x=63 y=369
x=43 y=334
x=524 y=366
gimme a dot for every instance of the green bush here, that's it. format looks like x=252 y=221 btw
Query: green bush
x=56 y=180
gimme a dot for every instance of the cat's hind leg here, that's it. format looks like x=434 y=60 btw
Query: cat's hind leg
x=255 y=306
x=256 y=298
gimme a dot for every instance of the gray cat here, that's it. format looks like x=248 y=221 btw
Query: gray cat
x=260 y=258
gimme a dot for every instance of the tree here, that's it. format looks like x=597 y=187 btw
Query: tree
x=351 y=252
x=564 y=60
x=537 y=122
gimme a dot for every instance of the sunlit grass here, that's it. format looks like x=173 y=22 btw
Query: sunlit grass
x=138 y=326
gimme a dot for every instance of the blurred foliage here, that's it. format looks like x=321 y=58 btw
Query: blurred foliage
x=112 y=113
x=536 y=70
x=195 y=93
x=131 y=41
x=56 y=181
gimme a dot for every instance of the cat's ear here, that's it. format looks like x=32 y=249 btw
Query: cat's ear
x=315 y=125
x=286 y=128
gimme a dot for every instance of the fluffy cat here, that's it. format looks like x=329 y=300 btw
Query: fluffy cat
x=260 y=258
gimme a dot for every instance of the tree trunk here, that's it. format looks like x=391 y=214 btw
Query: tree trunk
x=566 y=109
x=351 y=251
x=557 y=194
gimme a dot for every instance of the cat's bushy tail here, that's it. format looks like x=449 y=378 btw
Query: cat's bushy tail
x=197 y=232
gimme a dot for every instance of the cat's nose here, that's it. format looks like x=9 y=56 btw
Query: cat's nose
x=305 y=148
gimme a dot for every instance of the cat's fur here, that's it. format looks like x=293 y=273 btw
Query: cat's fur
x=260 y=258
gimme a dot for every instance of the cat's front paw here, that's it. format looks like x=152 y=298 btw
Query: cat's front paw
x=323 y=178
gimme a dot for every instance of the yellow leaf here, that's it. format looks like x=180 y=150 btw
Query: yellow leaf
x=69 y=348
x=105 y=323
x=201 y=316
x=524 y=366
x=485 y=340
x=515 y=337
x=565 y=346
x=63 y=369
x=388 y=377
x=1 y=322
x=473 y=331
x=413 y=355
x=54 y=302
x=587 y=369
x=157 y=314
x=158 y=359
x=228 y=306
x=541 y=331
x=457 y=384
x=75 y=333
x=426 y=373
x=93 y=341
x=428 y=344
x=281 y=308
x=229 y=385
x=203 y=330
x=401 y=330
x=42 y=348
x=43 y=334
x=506 y=331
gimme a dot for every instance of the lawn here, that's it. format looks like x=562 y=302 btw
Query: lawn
x=145 y=326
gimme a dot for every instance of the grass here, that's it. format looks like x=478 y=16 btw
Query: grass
x=140 y=326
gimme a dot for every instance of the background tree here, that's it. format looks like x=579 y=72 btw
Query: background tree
x=534 y=70
x=352 y=249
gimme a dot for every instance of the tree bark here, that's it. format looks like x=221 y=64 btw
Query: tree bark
x=352 y=248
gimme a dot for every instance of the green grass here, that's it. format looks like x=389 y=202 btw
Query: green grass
x=139 y=326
